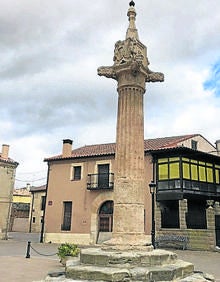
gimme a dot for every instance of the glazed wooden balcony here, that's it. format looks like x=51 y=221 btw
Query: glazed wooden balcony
x=177 y=189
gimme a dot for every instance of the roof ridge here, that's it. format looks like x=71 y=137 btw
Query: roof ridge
x=102 y=149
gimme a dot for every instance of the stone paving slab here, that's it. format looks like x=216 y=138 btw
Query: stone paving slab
x=14 y=266
x=20 y=269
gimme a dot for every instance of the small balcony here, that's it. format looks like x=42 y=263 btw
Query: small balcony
x=100 y=181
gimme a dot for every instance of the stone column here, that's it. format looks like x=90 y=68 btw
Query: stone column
x=131 y=71
x=129 y=179
x=158 y=216
x=217 y=208
x=210 y=217
x=182 y=213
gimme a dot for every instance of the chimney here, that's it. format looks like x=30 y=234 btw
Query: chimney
x=67 y=147
x=5 y=150
x=217 y=143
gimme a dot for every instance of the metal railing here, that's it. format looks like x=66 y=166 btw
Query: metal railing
x=100 y=181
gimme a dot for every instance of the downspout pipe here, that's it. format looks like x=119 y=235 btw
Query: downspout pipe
x=44 y=211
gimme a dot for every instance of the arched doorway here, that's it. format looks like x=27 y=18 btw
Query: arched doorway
x=106 y=217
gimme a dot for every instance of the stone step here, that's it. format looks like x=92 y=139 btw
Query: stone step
x=96 y=273
x=104 y=236
x=98 y=257
x=168 y=272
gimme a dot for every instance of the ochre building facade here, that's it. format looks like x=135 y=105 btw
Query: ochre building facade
x=7 y=179
x=186 y=170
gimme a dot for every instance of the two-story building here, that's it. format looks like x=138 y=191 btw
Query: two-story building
x=186 y=170
x=19 y=219
x=37 y=207
x=7 y=179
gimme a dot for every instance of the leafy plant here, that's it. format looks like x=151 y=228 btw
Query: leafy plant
x=68 y=249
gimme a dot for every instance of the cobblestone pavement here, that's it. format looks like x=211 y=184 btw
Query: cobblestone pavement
x=15 y=267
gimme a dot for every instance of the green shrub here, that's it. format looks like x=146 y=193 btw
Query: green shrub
x=68 y=249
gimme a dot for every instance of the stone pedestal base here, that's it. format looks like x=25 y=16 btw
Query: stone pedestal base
x=128 y=242
x=96 y=264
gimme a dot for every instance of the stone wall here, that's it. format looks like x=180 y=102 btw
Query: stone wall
x=199 y=239
x=80 y=239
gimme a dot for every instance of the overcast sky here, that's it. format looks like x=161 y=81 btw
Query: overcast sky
x=49 y=88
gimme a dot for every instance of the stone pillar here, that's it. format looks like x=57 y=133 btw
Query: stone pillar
x=131 y=71
x=217 y=208
x=210 y=217
x=158 y=216
x=129 y=179
x=182 y=213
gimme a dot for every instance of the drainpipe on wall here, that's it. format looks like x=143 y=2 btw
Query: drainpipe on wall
x=154 y=169
x=44 y=211
x=32 y=206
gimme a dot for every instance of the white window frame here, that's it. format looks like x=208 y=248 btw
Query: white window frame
x=72 y=171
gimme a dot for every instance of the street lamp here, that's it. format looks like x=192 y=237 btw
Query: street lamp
x=152 y=187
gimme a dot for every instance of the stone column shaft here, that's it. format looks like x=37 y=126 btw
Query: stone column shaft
x=129 y=184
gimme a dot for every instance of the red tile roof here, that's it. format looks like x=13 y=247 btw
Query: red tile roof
x=38 y=188
x=109 y=149
x=8 y=160
x=166 y=142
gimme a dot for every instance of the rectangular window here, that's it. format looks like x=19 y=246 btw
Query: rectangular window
x=209 y=174
x=194 y=172
x=67 y=216
x=202 y=175
x=194 y=144
x=217 y=178
x=163 y=171
x=103 y=176
x=186 y=171
x=164 y=160
x=43 y=202
x=77 y=172
x=174 y=170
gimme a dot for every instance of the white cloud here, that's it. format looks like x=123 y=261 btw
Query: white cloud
x=49 y=88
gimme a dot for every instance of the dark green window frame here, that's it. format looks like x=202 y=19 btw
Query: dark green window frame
x=191 y=173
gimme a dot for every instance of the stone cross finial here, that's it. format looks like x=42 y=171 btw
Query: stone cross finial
x=130 y=55
x=132 y=30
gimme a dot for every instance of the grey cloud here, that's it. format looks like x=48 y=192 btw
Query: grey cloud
x=40 y=40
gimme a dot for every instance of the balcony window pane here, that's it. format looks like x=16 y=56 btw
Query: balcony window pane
x=186 y=173
x=164 y=160
x=194 y=172
x=209 y=175
x=174 y=159
x=217 y=176
x=163 y=171
x=163 y=185
x=202 y=176
x=174 y=170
